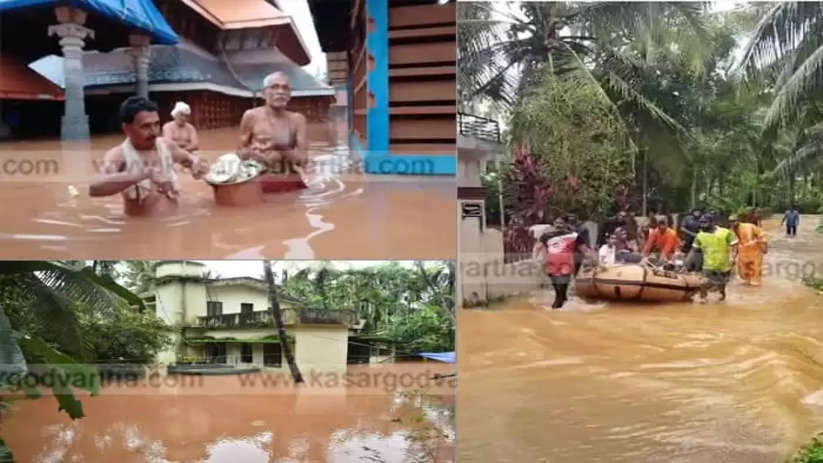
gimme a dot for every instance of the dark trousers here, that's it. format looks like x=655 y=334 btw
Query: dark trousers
x=695 y=262
x=561 y=288
x=791 y=230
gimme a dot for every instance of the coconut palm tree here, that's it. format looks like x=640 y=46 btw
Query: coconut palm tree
x=787 y=46
x=502 y=51
x=274 y=300
x=611 y=46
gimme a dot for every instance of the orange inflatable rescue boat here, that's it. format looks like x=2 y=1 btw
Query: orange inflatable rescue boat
x=632 y=282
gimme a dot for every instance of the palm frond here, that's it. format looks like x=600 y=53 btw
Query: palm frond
x=779 y=32
x=787 y=104
x=57 y=314
x=616 y=68
x=584 y=71
x=807 y=156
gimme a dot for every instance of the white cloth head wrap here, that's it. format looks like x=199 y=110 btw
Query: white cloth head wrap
x=180 y=108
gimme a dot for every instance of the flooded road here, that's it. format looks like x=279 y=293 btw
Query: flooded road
x=344 y=214
x=220 y=419
x=735 y=381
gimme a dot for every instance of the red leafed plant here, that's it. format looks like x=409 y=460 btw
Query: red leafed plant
x=528 y=194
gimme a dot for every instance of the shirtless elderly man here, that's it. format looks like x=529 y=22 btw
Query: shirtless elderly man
x=142 y=167
x=180 y=131
x=272 y=135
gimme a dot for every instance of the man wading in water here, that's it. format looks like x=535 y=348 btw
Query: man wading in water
x=719 y=247
x=272 y=135
x=180 y=131
x=142 y=167
x=563 y=251
x=792 y=219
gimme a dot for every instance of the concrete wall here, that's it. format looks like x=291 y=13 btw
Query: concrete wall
x=169 y=302
x=233 y=295
x=194 y=302
x=471 y=254
x=321 y=348
x=179 y=268
x=468 y=172
x=247 y=333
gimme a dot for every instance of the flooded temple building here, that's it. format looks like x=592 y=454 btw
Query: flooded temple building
x=211 y=54
x=396 y=62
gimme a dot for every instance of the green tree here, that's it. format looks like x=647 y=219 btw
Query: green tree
x=44 y=327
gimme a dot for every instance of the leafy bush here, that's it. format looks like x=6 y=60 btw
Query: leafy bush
x=423 y=330
x=572 y=153
x=810 y=453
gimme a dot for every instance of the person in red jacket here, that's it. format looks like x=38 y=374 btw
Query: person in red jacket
x=563 y=244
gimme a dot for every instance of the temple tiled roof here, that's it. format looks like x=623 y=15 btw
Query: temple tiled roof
x=188 y=65
x=169 y=63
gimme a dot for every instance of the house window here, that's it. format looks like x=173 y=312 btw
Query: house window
x=216 y=352
x=272 y=355
x=214 y=308
x=246 y=355
x=246 y=307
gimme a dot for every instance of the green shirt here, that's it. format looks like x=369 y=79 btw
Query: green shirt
x=716 y=247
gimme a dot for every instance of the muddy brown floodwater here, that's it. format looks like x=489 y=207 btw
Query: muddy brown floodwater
x=344 y=214
x=221 y=419
x=735 y=381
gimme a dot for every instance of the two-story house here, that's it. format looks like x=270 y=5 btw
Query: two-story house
x=228 y=321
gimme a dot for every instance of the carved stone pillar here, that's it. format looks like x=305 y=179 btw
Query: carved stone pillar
x=72 y=34
x=141 y=52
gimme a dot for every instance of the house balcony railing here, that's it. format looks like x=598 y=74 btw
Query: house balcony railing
x=322 y=317
x=478 y=127
x=256 y=319
x=263 y=318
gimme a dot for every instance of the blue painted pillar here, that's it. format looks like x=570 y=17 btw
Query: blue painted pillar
x=377 y=75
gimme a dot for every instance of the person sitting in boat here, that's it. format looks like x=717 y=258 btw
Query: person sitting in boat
x=607 y=255
x=563 y=246
x=662 y=239
x=719 y=246
x=179 y=130
x=272 y=135
x=142 y=167
x=752 y=246
x=625 y=249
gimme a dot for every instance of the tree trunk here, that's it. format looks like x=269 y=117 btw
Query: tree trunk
x=278 y=319
x=500 y=198
x=694 y=188
x=791 y=189
x=645 y=185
